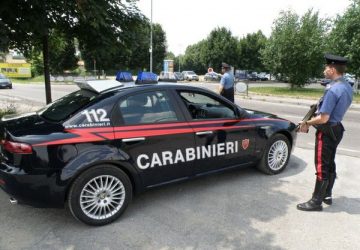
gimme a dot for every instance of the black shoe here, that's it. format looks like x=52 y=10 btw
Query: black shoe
x=327 y=200
x=311 y=205
x=314 y=204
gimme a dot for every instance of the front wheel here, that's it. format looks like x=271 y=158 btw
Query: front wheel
x=100 y=195
x=276 y=155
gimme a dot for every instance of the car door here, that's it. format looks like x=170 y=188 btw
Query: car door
x=154 y=136
x=222 y=139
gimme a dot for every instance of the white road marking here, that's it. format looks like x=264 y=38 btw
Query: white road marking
x=292 y=116
x=339 y=148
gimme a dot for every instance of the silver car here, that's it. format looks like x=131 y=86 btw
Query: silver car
x=190 y=75
x=5 y=82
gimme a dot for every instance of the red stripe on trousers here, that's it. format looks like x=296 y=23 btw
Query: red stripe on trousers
x=319 y=154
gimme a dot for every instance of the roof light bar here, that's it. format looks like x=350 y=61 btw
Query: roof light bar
x=146 y=78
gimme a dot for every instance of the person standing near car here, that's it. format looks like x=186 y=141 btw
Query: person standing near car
x=331 y=109
x=226 y=88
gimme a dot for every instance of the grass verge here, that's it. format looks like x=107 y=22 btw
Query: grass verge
x=39 y=79
x=297 y=93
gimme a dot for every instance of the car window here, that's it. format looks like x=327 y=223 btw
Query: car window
x=96 y=115
x=67 y=105
x=149 y=107
x=201 y=106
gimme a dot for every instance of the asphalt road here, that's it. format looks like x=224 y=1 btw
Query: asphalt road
x=238 y=209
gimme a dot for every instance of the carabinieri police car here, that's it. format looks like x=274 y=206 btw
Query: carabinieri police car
x=94 y=148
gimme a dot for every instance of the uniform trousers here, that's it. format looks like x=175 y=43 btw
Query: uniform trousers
x=325 y=151
x=228 y=94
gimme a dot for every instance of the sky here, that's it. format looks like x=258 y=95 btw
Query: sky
x=187 y=22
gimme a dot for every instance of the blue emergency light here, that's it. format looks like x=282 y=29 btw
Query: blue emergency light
x=146 y=77
x=124 y=76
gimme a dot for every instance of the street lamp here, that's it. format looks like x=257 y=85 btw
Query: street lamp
x=151 y=38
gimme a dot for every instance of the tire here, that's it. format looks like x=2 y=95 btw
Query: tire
x=276 y=155
x=100 y=195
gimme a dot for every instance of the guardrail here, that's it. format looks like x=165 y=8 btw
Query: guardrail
x=61 y=78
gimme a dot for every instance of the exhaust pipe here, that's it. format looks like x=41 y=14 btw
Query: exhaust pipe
x=13 y=201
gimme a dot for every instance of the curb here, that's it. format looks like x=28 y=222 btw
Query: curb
x=294 y=101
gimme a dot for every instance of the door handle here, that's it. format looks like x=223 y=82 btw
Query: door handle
x=204 y=133
x=135 y=139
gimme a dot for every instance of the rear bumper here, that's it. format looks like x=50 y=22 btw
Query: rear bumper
x=37 y=190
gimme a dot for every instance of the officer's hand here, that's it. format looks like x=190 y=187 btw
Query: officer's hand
x=303 y=127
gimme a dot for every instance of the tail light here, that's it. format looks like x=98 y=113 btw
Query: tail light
x=17 y=147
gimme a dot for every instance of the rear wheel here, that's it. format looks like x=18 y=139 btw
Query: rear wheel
x=100 y=195
x=276 y=155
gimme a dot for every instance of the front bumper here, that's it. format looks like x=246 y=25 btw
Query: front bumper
x=37 y=190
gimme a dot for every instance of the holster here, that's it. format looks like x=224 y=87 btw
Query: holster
x=327 y=130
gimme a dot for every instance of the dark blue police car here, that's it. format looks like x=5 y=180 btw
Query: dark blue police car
x=94 y=148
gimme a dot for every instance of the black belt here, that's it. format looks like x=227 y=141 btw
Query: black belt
x=335 y=124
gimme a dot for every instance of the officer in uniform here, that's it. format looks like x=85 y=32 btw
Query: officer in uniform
x=226 y=88
x=329 y=130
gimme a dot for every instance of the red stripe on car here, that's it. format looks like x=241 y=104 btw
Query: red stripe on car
x=110 y=133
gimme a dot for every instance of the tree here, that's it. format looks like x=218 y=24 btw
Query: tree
x=97 y=24
x=249 y=52
x=192 y=60
x=296 y=46
x=61 y=53
x=132 y=51
x=344 y=39
x=159 y=47
x=220 y=46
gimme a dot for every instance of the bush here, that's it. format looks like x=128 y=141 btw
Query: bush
x=10 y=109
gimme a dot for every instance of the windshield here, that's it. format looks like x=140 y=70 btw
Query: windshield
x=64 y=107
x=2 y=76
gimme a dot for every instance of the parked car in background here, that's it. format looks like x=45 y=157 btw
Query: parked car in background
x=179 y=76
x=350 y=79
x=325 y=82
x=190 y=75
x=167 y=77
x=212 y=76
x=263 y=76
x=253 y=76
x=271 y=77
x=5 y=82
x=240 y=75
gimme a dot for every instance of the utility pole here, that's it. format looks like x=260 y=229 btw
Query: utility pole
x=151 y=37
x=95 y=67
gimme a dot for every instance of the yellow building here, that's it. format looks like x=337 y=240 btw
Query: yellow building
x=15 y=65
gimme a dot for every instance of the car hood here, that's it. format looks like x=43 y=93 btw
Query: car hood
x=260 y=114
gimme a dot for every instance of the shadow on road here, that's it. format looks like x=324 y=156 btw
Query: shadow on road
x=344 y=204
x=225 y=210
